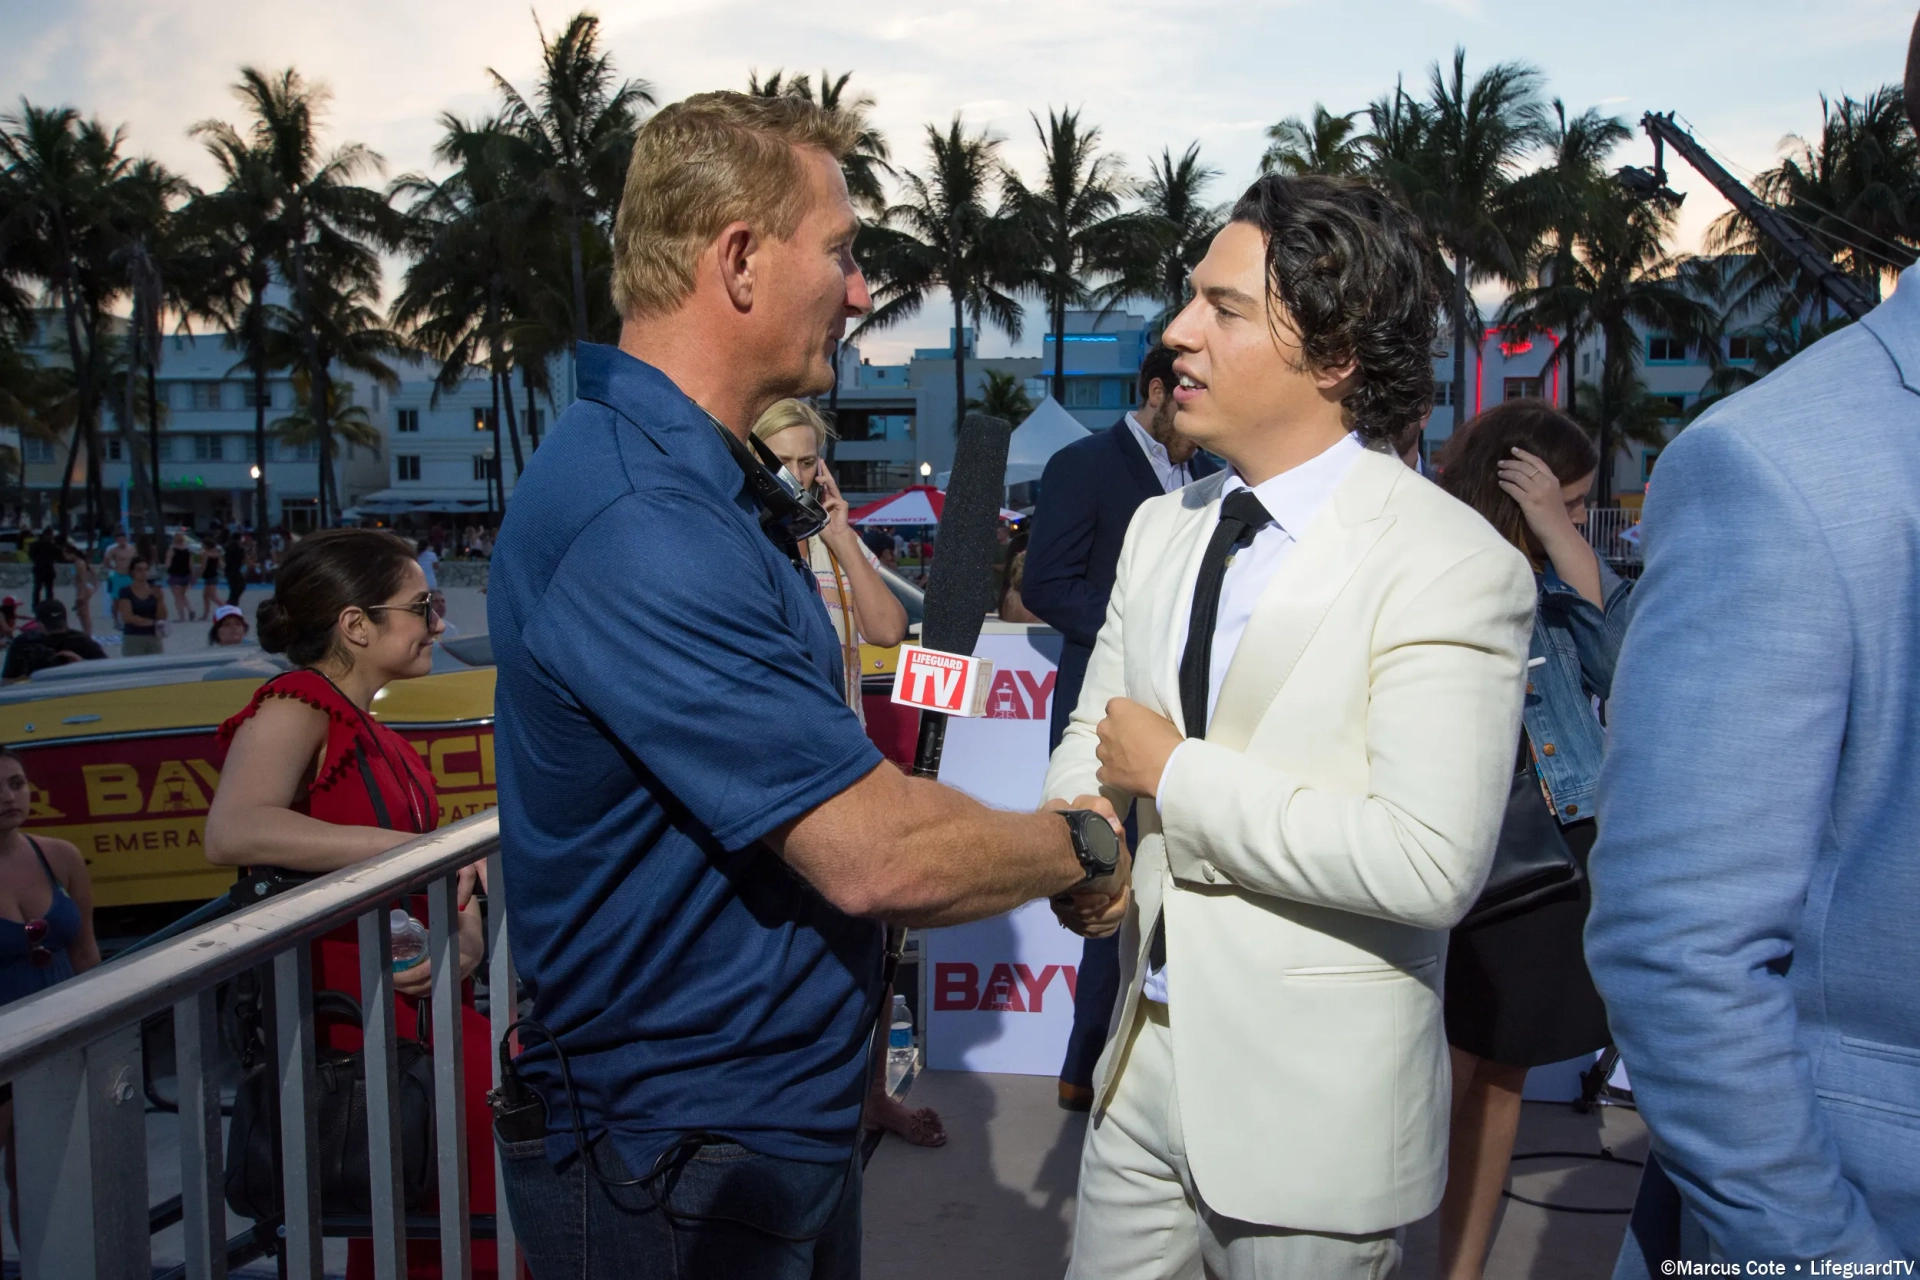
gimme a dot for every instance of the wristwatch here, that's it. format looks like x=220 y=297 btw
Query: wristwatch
x=1094 y=842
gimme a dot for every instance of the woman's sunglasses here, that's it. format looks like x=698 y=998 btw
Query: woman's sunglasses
x=37 y=954
x=421 y=609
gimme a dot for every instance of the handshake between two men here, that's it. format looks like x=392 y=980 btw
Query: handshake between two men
x=1135 y=745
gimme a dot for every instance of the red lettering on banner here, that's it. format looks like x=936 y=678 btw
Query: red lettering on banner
x=1001 y=993
x=1036 y=987
x=1073 y=981
x=1040 y=692
x=956 y=986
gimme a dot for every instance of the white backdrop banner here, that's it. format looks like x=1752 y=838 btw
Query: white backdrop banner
x=1000 y=992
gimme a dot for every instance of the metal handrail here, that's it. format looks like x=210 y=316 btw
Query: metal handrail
x=76 y=1013
x=73 y=1054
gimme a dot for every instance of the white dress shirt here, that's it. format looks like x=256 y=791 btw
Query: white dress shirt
x=1172 y=475
x=1293 y=498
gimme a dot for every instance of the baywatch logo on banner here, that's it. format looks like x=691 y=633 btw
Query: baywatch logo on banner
x=1009 y=988
x=934 y=681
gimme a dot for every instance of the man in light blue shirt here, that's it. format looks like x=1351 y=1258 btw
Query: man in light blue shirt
x=1756 y=884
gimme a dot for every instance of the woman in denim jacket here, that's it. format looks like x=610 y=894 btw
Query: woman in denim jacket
x=1518 y=994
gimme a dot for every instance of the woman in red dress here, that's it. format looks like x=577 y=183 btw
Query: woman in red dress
x=312 y=782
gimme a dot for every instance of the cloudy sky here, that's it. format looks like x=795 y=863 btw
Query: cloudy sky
x=1151 y=75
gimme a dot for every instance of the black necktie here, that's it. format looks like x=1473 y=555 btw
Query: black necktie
x=1241 y=516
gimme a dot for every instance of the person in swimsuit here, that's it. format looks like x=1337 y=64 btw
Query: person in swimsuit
x=85 y=583
x=210 y=579
x=115 y=561
x=46 y=924
x=312 y=782
x=140 y=611
x=180 y=573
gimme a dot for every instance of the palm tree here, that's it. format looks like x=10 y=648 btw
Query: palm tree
x=1327 y=144
x=575 y=135
x=1455 y=159
x=151 y=259
x=74 y=202
x=1620 y=281
x=1169 y=234
x=1559 y=201
x=332 y=322
x=344 y=420
x=1855 y=192
x=1074 y=220
x=233 y=237
x=462 y=293
x=944 y=235
x=870 y=160
x=1005 y=397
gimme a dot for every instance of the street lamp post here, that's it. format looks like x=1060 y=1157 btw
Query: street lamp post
x=259 y=498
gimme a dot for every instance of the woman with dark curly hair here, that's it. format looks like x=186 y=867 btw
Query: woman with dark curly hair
x=1518 y=991
x=313 y=782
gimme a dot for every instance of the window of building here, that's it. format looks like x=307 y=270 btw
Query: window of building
x=247 y=397
x=1673 y=408
x=1442 y=394
x=165 y=450
x=406 y=420
x=1522 y=389
x=1647 y=460
x=38 y=450
x=1740 y=348
x=483 y=467
x=482 y=418
x=208 y=448
x=536 y=420
x=205 y=395
x=1662 y=349
x=309 y=452
x=1083 y=393
x=114 y=450
x=406 y=466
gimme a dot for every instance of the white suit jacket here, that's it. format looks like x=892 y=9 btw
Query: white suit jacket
x=1313 y=851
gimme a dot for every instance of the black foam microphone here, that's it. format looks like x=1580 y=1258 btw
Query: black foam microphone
x=960 y=588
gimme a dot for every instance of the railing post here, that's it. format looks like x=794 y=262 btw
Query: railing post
x=449 y=1076
x=295 y=1045
x=503 y=1007
x=383 y=1087
x=203 y=1210
x=83 y=1203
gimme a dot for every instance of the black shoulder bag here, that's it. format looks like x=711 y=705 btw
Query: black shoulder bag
x=340 y=1103
x=1532 y=861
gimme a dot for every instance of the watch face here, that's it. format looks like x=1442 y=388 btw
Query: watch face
x=1103 y=847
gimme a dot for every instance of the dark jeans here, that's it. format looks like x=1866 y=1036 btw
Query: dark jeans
x=42 y=585
x=573 y=1228
x=236 y=587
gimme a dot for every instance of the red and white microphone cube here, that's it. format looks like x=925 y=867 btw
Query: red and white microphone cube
x=947 y=682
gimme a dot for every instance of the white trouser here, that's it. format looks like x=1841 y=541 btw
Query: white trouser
x=1140 y=1218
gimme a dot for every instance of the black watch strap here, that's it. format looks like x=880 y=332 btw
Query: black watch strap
x=1091 y=836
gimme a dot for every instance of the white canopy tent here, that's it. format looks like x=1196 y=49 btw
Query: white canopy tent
x=1046 y=431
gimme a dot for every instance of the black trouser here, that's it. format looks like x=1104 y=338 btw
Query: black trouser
x=235 y=585
x=42 y=585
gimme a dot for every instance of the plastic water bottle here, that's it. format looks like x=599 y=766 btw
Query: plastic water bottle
x=899 y=1043
x=409 y=940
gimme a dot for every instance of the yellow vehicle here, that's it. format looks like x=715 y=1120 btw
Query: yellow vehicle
x=123 y=760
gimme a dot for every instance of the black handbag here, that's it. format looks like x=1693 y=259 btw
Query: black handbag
x=1532 y=861
x=340 y=1101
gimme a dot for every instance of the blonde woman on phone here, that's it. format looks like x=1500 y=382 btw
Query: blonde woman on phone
x=857 y=599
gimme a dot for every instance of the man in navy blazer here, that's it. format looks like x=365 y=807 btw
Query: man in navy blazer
x=1756 y=884
x=1088 y=495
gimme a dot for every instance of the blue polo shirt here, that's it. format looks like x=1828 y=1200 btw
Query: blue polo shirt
x=667 y=696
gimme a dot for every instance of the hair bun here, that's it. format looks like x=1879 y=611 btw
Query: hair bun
x=273 y=626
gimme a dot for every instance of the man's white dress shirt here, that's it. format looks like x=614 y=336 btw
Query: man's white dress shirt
x=1293 y=498
x=1172 y=475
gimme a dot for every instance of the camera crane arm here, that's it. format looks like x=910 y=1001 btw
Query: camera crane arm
x=1835 y=283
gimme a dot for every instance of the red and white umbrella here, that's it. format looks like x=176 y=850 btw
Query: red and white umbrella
x=918 y=504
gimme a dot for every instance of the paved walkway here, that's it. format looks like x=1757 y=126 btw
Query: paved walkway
x=996 y=1203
